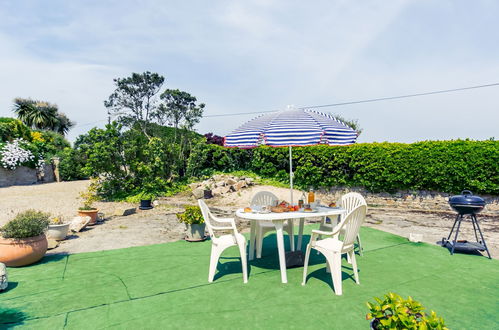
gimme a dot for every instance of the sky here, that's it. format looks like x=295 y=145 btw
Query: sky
x=262 y=55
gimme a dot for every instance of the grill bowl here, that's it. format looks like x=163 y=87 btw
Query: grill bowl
x=467 y=203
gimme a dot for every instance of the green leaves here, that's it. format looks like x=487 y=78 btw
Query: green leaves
x=446 y=166
x=394 y=312
x=191 y=215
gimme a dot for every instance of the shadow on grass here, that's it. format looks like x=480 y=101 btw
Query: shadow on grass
x=11 y=317
x=229 y=267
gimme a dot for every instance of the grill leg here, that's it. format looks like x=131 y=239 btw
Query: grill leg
x=474 y=220
x=454 y=225
x=460 y=218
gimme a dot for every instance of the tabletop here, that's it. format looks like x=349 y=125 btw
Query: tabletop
x=321 y=212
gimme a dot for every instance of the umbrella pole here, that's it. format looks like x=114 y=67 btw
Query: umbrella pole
x=291 y=175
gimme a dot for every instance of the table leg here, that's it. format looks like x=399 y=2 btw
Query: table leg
x=280 y=248
x=252 y=240
x=291 y=223
x=300 y=233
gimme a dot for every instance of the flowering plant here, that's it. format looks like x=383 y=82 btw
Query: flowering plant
x=13 y=154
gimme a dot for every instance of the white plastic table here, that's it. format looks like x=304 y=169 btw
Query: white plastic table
x=278 y=220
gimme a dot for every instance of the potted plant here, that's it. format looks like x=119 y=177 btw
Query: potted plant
x=207 y=193
x=394 y=312
x=194 y=222
x=88 y=210
x=23 y=240
x=146 y=200
x=58 y=229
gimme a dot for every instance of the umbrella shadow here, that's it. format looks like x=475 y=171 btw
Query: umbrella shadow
x=11 y=317
x=322 y=275
x=229 y=267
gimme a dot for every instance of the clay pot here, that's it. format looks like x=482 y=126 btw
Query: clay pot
x=58 y=232
x=22 y=252
x=89 y=213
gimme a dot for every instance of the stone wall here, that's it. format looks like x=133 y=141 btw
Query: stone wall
x=414 y=200
x=25 y=176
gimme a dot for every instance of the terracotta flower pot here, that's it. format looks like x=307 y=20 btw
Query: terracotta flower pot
x=22 y=252
x=89 y=213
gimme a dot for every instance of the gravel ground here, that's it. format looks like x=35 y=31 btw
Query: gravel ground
x=160 y=224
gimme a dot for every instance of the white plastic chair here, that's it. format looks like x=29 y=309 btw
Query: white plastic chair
x=349 y=202
x=266 y=198
x=222 y=242
x=332 y=248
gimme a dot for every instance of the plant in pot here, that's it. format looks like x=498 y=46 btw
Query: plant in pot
x=194 y=222
x=394 y=312
x=58 y=228
x=23 y=239
x=146 y=199
x=88 y=210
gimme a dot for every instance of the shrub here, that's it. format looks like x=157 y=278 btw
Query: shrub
x=191 y=215
x=27 y=224
x=14 y=154
x=71 y=163
x=447 y=166
x=11 y=129
x=394 y=312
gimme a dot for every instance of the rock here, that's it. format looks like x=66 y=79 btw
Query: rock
x=155 y=203
x=124 y=211
x=230 y=181
x=52 y=243
x=220 y=190
x=220 y=184
x=78 y=223
x=249 y=181
x=415 y=237
x=198 y=193
x=193 y=185
x=239 y=185
x=4 y=280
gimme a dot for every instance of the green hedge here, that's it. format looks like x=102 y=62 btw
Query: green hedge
x=446 y=166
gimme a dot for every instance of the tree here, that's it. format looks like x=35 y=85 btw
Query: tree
x=42 y=115
x=134 y=99
x=179 y=109
x=35 y=114
x=353 y=123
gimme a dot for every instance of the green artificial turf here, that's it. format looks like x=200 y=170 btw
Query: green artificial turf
x=165 y=286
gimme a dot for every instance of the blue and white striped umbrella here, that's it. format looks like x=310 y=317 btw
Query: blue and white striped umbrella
x=297 y=127
x=291 y=128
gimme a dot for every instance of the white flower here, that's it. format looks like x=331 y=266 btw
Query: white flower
x=13 y=155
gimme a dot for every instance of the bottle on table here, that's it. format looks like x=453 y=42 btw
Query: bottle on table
x=311 y=196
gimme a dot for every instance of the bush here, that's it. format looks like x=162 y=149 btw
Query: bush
x=192 y=215
x=446 y=166
x=394 y=312
x=71 y=163
x=27 y=224
x=11 y=129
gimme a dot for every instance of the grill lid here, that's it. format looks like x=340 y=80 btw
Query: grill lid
x=466 y=198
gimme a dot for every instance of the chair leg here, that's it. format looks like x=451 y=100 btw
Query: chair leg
x=305 y=264
x=244 y=263
x=334 y=261
x=259 y=242
x=354 y=266
x=215 y=254
x=360 y=245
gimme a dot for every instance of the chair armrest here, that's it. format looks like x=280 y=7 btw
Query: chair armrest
x=322 y=232
x=225 y=221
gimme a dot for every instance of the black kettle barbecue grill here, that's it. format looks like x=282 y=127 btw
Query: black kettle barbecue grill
x=466 y=204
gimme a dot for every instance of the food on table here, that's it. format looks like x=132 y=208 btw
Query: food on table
x=248 y=209
x=332 y=204
x=297 y=207
x=308 y=209
x=279 y=209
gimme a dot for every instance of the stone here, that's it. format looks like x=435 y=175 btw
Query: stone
x=52 y=243
x=198 y=193
x=220 y=184
x=220 y=190
x=230 y=181
x=4 y=280
x=249 y=181
x=78 y=223
x=415 y=237
x=122 y=211
x=193 y=185
x=239 y=185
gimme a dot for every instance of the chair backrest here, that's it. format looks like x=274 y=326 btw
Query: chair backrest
x=351 y=200
x=207 y=216
x=352 y=224
x=264 y=198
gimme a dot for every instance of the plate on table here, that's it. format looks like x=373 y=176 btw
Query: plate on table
x=310 y=211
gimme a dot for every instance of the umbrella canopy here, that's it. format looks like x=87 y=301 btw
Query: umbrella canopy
x=297 y=127
x=291 y=128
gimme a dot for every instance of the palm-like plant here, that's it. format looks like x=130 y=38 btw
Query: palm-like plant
x=42 y=115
